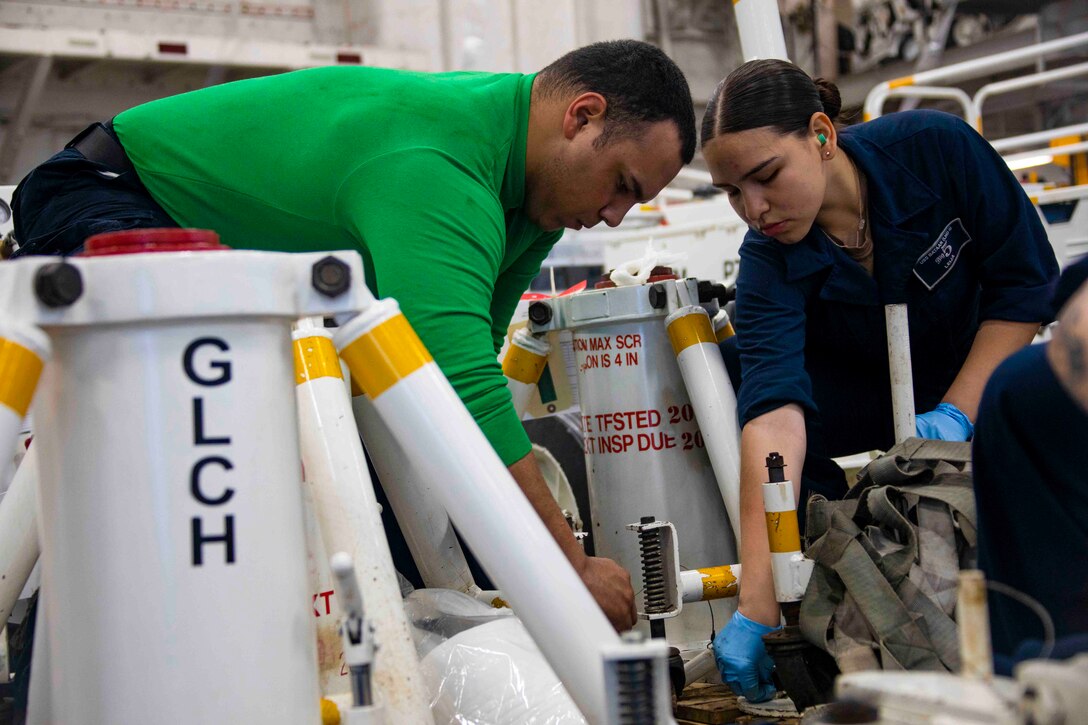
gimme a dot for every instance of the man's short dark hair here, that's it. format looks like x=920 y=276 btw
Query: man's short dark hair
x=641 y=84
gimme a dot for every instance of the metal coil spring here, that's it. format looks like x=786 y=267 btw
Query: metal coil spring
x=636 y=692
x=653 y=570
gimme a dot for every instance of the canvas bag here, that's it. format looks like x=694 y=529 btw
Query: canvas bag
x=883 y=591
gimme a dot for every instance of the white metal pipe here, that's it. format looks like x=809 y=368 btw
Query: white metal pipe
x=19 y=547
x=973 y=625
x=1028 y=81
x=712 y=397
x=874 y=102
x=1073 y=148
x=1068 y=193
x=728 y=221
x=899 y=365
x=24 y=350
x=717 y=582
x=789 y=568
x=699 y=666
x=760 y=28
x=421 y=409
x=417 y=506
x=522 y=365
x=1033 y=139
x=991 y=64
x=347 y=511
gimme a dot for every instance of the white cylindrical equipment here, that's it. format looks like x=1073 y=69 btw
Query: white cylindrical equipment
x=338 y=481
x=645 y=451
x=171 y=521
x=24 y=350
x=760 y=29
x=712 y=397
x=439 y=436
x=523 y=364
x=791 y=570
x=418 y=508
x=895 y=318
x=723 y=327
x=19 y=547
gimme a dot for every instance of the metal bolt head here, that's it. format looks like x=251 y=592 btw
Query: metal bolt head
x=331 y=277
x=540 y=313
x=658 y=297
x=58 y=284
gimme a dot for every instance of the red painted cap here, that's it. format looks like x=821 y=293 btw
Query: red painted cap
x=137 y=241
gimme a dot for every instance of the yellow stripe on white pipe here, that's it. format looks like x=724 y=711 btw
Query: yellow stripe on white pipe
x=338 y=484
x=24 y=350
x=315 y=357
x=715 y=582
x=713 y=399
x=385 y=355
x=523 y=365
x=791 y=570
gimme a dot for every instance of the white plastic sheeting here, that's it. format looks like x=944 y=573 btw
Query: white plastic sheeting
x=482 y=667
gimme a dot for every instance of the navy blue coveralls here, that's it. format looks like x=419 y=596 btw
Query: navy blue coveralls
x=954 y=236
x=1031 y=490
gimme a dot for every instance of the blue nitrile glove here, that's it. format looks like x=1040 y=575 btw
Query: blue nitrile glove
x=742 y=659
x=946 y=422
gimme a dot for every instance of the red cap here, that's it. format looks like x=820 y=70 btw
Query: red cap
x=137 y=241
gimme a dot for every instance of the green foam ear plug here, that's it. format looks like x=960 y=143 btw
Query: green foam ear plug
x=821 y=138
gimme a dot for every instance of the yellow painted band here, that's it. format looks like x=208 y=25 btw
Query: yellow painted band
x=866 y=116
x=782 y=532
x=690 y=330
x=900 y=82
x=523 y=365
x=315 y=357
x=330 y=713
x=725 y=332
x=20 y=369
x=719 y=582
x=390 y=352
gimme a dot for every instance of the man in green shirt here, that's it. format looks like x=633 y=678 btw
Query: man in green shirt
x=452 y=186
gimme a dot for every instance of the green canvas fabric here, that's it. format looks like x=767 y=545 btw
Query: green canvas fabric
x=423 y=174
x=883 y=591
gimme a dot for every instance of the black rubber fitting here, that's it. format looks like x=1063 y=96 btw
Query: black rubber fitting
x=58 y=284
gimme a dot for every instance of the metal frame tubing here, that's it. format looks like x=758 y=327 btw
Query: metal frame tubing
x=713 y=582
x=394 y=369
x=347 y=511
x=712 y=396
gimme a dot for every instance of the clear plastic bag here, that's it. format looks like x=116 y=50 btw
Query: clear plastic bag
x=481 y=665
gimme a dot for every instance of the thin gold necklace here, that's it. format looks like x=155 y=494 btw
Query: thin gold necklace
x=859 y=237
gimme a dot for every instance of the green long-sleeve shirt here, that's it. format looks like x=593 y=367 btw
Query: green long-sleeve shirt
x=424 y=174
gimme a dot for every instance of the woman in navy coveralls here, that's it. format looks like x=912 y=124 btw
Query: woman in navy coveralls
x=913 y=207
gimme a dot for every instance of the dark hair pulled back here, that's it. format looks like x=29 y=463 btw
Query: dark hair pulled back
x=768 y=94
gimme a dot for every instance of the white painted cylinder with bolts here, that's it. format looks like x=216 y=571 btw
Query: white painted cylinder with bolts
x=424 y=414
x=172 y=529
x=645 y=451
x=349 y=522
